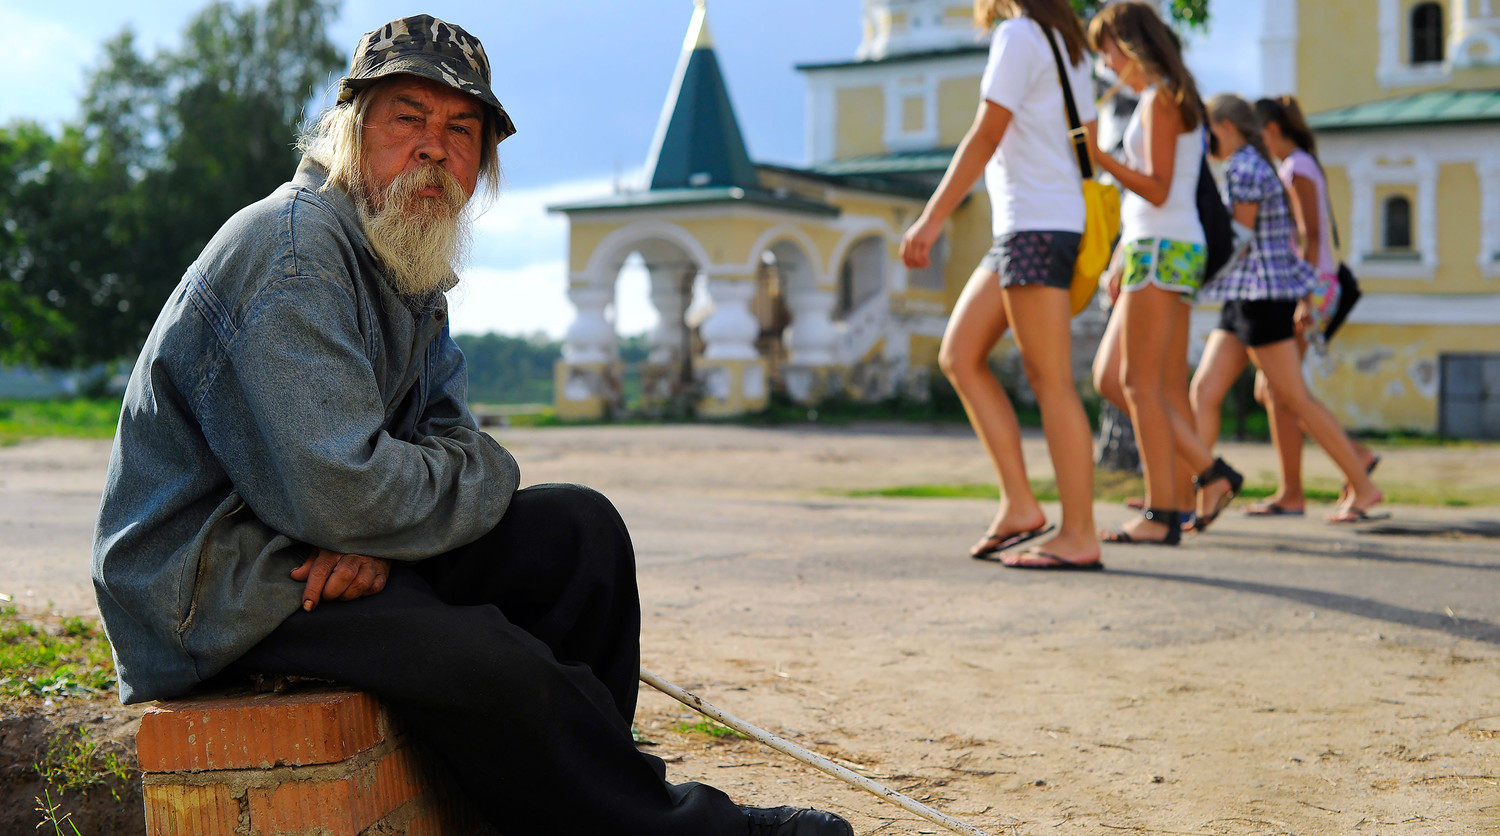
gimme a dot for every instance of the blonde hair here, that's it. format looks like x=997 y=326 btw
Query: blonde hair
x=1145 y=38
x=337 y=142
x=1051 y=14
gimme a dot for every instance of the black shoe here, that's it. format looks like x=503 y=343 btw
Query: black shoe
x=794 y=821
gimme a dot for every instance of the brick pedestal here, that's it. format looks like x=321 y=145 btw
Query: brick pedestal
x=314 y=762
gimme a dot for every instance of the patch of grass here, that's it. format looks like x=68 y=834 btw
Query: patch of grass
x=70 y=661
x=50 y=811
x=1113 y=486
x=75 y=761
x=708 y=727
x=61 y=418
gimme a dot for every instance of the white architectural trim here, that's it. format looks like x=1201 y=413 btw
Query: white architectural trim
x=919 y=85
x=1393 y=69
x=1426 y=309
x=1278 y=47
x=602 y=263
x=1364 y=175
x=796 y=235
x=823 y=84
x=1489 y=215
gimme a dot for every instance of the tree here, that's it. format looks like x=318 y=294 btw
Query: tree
x=1192 y=14
x=98 y=224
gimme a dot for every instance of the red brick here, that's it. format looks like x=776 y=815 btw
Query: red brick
x=336 y=807
x=257 y=731
x=175 y=810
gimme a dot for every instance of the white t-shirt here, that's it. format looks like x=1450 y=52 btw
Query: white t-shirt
x=1033 y=179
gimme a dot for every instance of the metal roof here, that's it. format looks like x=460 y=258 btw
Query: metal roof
x=1434 y=107
x=932 y=161
x=731 y=195
x=901 y=58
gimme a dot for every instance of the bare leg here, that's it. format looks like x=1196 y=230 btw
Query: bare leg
x=1042 y=319
x=1283 y=370
x=979 y=321
x=1176 y=382
x=1224 y=358
x=1286 y=437
x=1145 y=344
x=1107 y=361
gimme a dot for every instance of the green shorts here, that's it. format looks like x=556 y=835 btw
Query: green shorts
x=1176 y=266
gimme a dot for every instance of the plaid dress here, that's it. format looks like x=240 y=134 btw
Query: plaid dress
x=1270 y=267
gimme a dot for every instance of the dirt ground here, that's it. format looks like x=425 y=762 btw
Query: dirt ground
x=1269 y=677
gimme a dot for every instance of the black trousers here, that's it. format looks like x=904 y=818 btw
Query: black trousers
x=516 y=659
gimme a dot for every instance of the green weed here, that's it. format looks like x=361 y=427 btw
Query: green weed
x=74 y=761
x=710 y=728
x=36 y=663
x=50 y=816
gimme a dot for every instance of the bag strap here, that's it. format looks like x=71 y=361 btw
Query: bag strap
x=1076 y=134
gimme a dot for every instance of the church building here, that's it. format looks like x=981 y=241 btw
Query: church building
x=1405 y=99
x=800 y=265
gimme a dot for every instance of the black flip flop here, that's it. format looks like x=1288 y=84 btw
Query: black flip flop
x=1271 y=509
x=1059 y=564
x=1010 y=542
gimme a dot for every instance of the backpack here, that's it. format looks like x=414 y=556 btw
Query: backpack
x=1218 y=235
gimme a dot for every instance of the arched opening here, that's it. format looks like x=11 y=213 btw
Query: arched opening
x=1395 y=225
x=933 y=277
x=1427 y=34
x=862 y=276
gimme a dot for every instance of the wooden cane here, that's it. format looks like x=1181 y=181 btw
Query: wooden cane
x=810 y=758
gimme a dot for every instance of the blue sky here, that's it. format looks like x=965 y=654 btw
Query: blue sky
x=585 y=83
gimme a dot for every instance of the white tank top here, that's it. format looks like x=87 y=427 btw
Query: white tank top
x=1177 y=219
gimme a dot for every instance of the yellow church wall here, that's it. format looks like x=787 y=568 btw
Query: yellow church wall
x=969 y=238
x=1341 y=195
x=584 y=238
x=1386 y=376
x=1459 y=231
x=860 y=118
x=1337 y=69
x=958 y=98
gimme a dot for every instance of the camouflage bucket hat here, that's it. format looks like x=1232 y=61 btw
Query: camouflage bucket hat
x=427 y=47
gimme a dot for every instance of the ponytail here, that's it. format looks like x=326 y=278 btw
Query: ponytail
x=1286 y=114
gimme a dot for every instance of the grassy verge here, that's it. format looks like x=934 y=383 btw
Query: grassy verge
x=1112 y=486
x=70 y=418
x=70 y=660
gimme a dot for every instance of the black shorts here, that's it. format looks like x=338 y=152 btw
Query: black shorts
x=1258 y=322
x=1032 y=257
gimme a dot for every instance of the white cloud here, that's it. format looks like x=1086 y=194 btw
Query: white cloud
x=42 y=67
x=518 y=280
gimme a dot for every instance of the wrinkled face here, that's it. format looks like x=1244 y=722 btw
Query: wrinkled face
x=414 y=123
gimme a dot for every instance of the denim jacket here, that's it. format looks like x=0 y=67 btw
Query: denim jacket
x=286 y=398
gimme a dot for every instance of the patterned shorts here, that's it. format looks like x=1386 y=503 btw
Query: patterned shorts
x=1325 y=300
x=1170 y=265
x=1032 y=257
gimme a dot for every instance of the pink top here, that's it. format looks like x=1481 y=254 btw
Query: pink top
x=1302 y=164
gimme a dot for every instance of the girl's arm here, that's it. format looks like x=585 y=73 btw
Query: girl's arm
x=1303 y=195
x=973 y=153
x=1162 y=123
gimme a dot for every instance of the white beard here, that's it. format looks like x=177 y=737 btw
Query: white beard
x=422 y=241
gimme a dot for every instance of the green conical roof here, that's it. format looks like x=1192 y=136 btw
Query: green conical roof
x=698 y=141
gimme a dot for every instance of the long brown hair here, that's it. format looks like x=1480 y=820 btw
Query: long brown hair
x=1051 y=14
x=1227 y=107
x=1286 y=114
x=1143 y=36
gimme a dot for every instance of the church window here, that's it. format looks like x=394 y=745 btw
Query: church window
x=1427 y=33
x=1395 y=228
x=862 y=276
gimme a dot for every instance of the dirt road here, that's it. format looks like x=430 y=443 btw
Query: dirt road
x=1268 y=677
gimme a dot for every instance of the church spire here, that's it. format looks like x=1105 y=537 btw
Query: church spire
x=698 y=141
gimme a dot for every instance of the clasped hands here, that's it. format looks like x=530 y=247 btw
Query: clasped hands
x=341 y=577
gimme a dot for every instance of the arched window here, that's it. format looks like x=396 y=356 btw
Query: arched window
x=1395 y=232
x=1427 y=33
x=862 y=276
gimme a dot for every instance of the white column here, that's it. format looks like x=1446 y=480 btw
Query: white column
x=670 y=288
x=1278 y=47
x=729 y=332
x=810 y=337
x=590 y=339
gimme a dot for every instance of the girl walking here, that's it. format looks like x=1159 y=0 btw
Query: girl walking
x=1291 y=142
x=1266 y=293
x=1019 y=142
x=1158 y=266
